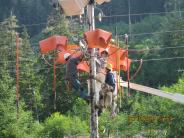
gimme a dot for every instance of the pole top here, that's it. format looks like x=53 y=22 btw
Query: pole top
x=126 y=39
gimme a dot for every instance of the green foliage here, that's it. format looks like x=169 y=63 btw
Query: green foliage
x=27 y=12
x=174 y=5
x=57 y=24
x=147 y=25
x=58 y=126
x=36 y=83
x=7 y=41
x=176 y=110
x=153 y=106
x=30 y=80
x=10 y=125
x=80 y=109
x=178 y=87
x=117 y=126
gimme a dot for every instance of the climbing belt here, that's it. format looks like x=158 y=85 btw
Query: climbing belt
x=108 y=99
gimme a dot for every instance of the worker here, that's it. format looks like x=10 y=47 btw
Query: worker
x=109 y=79
x=108 y=88
x=102 y=58
x=71 y=74
x=111 y=98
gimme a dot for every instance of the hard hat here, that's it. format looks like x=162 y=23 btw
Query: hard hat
x=109 y=66
x=106 y=50
x=66 y=55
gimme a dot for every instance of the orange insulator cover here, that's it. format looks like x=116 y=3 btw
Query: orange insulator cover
x=114 y=51
x=83 y=66
x=52 y=43
x=68 y=47
x=122 y=63
x=125 y=65
x=104 y=37
x=97 y=38
x=114 y=54
x=72 y=47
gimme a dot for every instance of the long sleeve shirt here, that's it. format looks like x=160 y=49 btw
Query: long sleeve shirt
x=110 y=80
x=71 y=68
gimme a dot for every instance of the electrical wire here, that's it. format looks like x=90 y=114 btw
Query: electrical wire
x=118 y=15
x=158 y=59
x=29 y=25
x=151 y=49
x=140 y=14
x=144 y=50
x=152 y=33
x=3 y=61
x=148 y=33
x=131 y=50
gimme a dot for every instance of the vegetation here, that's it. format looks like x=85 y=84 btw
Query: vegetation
x=161 y=36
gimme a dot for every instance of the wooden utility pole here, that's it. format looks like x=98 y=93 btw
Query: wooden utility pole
x=94 y=111
x=17 y=72
x=128 y=71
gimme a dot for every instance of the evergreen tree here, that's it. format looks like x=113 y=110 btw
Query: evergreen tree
x=31 y=80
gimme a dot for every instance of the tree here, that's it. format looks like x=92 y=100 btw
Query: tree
x=7 y=41
x=10 y=125
x=31 y=80
x=58 y=126
x=13 y=123
x=175 y=39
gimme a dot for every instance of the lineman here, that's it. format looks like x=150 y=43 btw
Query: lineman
x=107 y=91
x=71 y=74
x=109 y=79
x=102 y=59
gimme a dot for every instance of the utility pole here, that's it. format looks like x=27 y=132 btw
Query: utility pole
x=94 y=111
x=128 y=71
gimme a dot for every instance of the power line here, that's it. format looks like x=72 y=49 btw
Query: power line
x=32 y=25
x=140 y=14
x=32 y=44
x=144 y=60
x=130 y=50
x=158 y=59
x=151 y=49
x=37 y=69
x=107 y=16
x=10 y=61
x=152 y=33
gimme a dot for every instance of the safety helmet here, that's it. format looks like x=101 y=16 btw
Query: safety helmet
x=109 y=66
x=106 y=50
x=66 y=55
